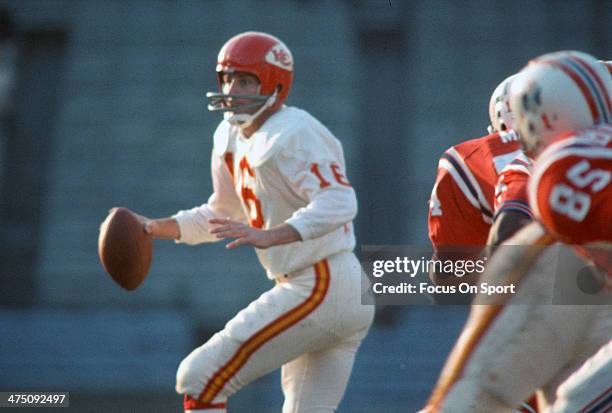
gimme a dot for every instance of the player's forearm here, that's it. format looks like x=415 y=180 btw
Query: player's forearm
x=283 y=234
x=164 y=228
x=328 y=211
x=506 y=225
x=194 y=225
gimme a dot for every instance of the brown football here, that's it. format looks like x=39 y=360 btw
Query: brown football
x=125 y=249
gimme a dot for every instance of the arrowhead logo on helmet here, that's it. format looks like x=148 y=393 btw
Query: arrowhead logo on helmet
x=280 y=56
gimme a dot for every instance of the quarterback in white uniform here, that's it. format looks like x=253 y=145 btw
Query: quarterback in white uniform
x=280 y=186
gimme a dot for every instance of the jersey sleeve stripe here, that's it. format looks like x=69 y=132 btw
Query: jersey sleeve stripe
x=458 y=161
x=522 y=159
x=464 y=185
x=501 y=161
x=517 y=167
x=447 y=165
x=276 y=327
x=517 y=206
x=519 y=162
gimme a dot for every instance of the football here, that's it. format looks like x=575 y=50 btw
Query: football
x=125 y=249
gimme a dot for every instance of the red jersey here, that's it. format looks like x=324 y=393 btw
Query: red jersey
x=461 y=206
x=511 y=189
x=570 y=191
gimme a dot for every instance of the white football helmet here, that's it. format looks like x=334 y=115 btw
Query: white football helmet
x=559 y=92
x=500 y=112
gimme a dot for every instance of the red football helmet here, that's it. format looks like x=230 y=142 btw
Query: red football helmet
x=263 y=56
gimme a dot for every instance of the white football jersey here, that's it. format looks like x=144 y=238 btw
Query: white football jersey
x=290 y=170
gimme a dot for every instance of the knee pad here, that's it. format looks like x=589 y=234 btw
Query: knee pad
x=186 y=379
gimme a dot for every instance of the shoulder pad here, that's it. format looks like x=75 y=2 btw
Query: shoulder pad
x=223 y=138
x=290 y=129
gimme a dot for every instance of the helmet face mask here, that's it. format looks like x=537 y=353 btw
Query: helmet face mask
x=267 y=59
x=243 y=114
x=559 y=92
x=220 y=102
x=239 y=109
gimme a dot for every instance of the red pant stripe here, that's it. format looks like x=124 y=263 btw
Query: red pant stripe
x=276 y=327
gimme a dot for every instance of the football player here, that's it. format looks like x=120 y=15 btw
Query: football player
x=571 y=190
x=279 y=186
x=464 y=204
x=561 y=103
x=480 y=195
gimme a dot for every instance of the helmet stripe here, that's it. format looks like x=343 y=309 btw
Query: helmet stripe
x=601 y=86
x=592 y=85
x=584 y=89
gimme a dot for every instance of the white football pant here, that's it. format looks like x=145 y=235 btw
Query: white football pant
x=530 y=345
x=588 y=390
x=311 y=323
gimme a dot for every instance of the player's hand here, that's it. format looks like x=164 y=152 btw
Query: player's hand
x=244 y=234
x=143 y=220
x=163 y=228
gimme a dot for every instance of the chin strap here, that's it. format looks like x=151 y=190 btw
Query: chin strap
x=244 y=120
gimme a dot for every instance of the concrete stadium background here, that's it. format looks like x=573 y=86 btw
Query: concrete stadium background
x=109 y=109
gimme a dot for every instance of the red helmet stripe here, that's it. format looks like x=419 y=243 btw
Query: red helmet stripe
x=598 y=80
x=584 y=89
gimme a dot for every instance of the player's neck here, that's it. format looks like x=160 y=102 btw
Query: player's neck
x=256 y=124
